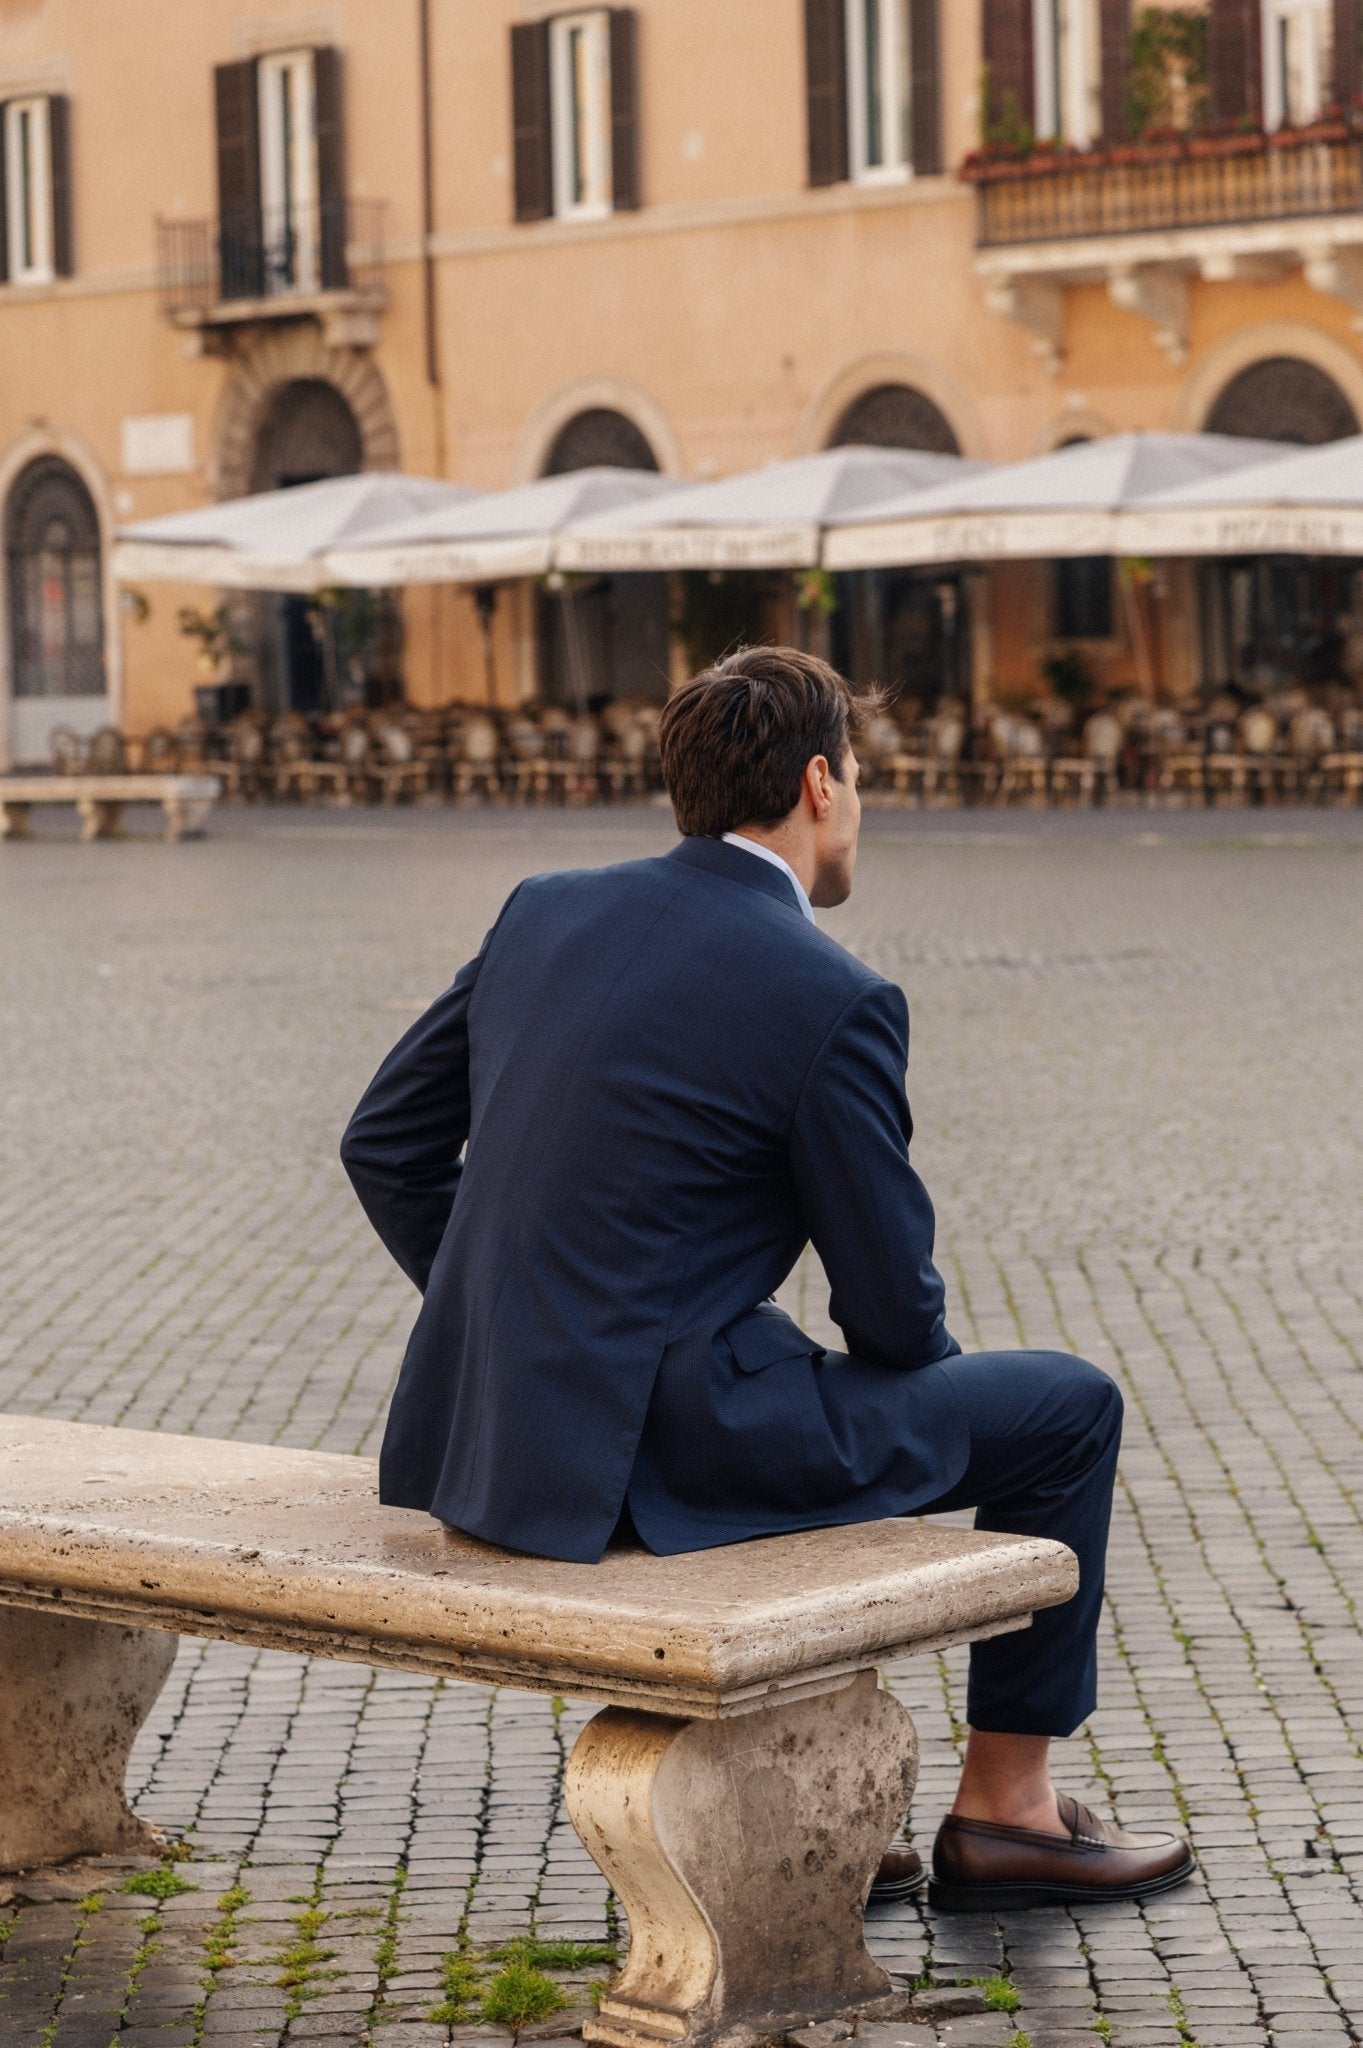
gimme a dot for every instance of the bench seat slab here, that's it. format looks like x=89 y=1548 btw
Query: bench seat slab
x=73 y=1695
x=742 y=1852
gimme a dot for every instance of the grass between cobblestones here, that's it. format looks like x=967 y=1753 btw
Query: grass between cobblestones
x=1135 y=1087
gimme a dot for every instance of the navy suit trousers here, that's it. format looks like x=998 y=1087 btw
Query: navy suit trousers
x=1045 y=1430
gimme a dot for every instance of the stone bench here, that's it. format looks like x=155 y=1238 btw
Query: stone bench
x=737 y=1792
x=99 y=800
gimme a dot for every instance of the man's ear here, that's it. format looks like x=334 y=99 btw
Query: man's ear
x=817 y=778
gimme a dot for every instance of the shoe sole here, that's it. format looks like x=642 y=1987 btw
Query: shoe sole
x=1012 y=1898
x=902 y=1888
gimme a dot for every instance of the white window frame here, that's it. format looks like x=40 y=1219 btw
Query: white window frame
x=1067 y=58
x=287 y=88
x=580 y=120
x=28 y=190
x=896 y=163
x=1282 y=19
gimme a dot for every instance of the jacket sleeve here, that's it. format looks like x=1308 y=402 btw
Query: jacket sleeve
x=403 y=1147
x=868 y=1214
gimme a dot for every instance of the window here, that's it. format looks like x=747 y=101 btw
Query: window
x=575 y=114
x=282 y=212
x=1298 y=46
x=579 y=56
x=1067 y=52
x=878 y=88
x=28 y=191
x=56 y=615
x=288 y=171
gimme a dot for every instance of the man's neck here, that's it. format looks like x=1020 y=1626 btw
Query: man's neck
x=798 y=856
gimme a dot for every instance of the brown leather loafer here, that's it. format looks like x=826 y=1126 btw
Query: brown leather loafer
x=980 y=1868
x=900 y=1875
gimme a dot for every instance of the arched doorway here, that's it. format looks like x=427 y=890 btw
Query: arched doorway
x=307 y=431
x=906 y=629
x=56 y=606
x=1273 y=621
x=1283 y=398
x=607 y=637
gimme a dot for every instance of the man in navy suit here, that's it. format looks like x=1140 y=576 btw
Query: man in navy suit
x=600 y=1153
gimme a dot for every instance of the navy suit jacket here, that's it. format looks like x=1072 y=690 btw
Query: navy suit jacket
x=597 y=1155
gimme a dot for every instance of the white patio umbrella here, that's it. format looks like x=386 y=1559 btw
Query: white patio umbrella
x=275 y=540
x=1064 y=503
x=771 y=518
x=504 y=534
x=1305 y=501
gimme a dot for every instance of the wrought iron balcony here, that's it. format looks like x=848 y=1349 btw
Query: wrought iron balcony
x=326 y=259
x=1196 y=182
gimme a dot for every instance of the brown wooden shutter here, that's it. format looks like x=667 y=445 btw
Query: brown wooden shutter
x=1115 y=42
x=1009 y=62
x=241 y=264
x=1235 y=61
x=1348 y=51
x=4 y=197
x=925 y=86
x=59 y=161
x=329 y=130
x=532 y=150
x=626 y=193
x=826 y=91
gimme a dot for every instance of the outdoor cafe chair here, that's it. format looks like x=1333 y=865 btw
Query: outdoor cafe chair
x=106 y=753
x=1092 y=773
x=67 y=751
x=399 y=767
x=475 y=762
x=1022 y=758
x=246 y=765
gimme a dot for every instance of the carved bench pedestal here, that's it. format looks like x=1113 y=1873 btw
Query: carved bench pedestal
x=73 y=1695
x=742 y=1851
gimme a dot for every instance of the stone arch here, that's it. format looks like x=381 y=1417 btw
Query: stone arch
x=600 y=437
x=595 y=394
x=307 y=430
x=298 y=355
x=855 y=383
x=1283 y=398
x=895 y=416
x=1250 y=345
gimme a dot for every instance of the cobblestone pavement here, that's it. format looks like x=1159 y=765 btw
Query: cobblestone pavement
x=1136 y=1078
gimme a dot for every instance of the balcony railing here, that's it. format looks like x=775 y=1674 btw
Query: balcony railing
x=1199 y=182
x=205 y=266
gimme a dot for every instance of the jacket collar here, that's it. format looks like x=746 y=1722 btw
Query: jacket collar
x=737 y=866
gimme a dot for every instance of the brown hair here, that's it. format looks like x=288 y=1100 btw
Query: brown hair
x=736 y=741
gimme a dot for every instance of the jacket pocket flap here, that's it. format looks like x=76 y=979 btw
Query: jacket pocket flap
x=766 y=1335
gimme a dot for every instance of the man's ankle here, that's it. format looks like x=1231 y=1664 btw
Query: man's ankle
x=1010 y=1809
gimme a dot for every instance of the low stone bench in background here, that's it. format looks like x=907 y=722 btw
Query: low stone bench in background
x=737 y=1792
x=99 y=801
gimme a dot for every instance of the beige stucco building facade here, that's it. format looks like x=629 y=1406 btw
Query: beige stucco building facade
x=249 y=241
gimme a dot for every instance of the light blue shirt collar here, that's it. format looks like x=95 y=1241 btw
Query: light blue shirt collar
x=766 y=853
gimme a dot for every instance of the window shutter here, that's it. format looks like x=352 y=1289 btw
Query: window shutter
x=925 y=86
x=241 y=265
x=329 y=129
x=625 y=183
x=59 y=160
x=4 y=197
x=1235 y=61
x=531 y=148
x=1115 y=38
x=1348 y=51
x=1009 y=62
x=826 y=91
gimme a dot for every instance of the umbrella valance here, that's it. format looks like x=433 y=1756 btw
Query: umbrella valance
x=772 y=518
x=1305 y=501
x=503 y=534
x=275 y=540
x=1062 y=504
